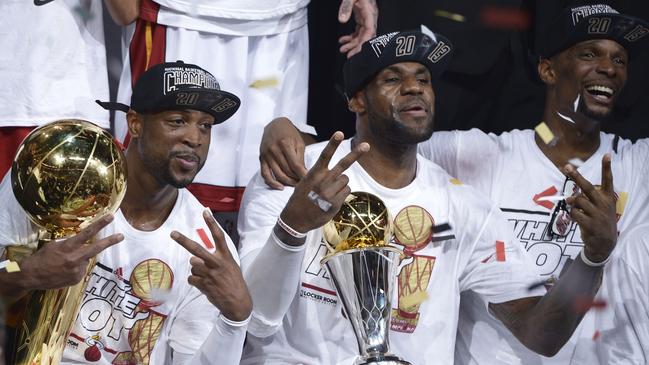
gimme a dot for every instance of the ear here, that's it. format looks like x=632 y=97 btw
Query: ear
x=546 y=71
x=357 y=103
x=135 y=122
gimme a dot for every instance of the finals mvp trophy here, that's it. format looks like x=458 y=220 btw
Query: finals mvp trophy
x=363 y=268
x=66 y=174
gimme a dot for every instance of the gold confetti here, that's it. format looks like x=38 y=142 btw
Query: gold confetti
x=449 y=15
x=413 y=299
x=265 y=83
x=455 y=181
x=544 y=132
x=12 y=266
x=621 y=203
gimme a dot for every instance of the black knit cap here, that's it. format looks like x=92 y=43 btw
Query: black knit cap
x=179 y=86
x=430 y=49
x=596 y=21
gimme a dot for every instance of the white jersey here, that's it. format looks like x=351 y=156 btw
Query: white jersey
x=474 y=256
x=138 y=307
x=54 y=63
x=512 y=171
x=234 y=17
x=623 y=325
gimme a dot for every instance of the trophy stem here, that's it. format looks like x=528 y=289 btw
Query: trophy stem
x=46 y=323
x=364 y=280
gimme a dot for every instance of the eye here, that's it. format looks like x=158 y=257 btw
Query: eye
x=391 y=79
x=176 y=121
x=207 y=125
x=619 y=61
x=423 y=80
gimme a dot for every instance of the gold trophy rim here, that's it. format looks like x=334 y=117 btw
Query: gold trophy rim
x=330 y=256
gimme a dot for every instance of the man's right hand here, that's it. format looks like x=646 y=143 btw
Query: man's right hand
x=304 y=214
x=63 y=263
x=281 y=154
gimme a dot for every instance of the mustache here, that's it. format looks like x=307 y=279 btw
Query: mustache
x=186 y=155
x=413 y=102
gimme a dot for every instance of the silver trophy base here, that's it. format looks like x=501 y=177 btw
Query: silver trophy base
x=381 y=360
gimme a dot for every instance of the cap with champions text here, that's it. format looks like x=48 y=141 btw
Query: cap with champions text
x=430 y=49
x=595 y=21
x=179 y=85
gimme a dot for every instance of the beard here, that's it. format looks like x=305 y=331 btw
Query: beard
x=160 y=168
x=398 y=132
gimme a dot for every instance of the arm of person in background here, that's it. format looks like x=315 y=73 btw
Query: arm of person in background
x=366 y=15
x=56 y=264
x=218 y=276
x=123 y=12
x=545 y=324
x=281 y=153
x=273 y=270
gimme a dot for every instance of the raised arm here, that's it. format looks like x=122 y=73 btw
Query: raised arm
x=544 y=324
x=123 y=12
x=274 y=273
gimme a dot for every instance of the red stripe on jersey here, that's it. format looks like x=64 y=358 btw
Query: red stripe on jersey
x=218 y=198
x=317 y=288
x=500 y=251
x=205 y=239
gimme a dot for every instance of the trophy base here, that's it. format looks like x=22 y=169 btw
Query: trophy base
x=381 y=360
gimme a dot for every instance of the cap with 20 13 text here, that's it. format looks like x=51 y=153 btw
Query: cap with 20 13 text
x=179 y=86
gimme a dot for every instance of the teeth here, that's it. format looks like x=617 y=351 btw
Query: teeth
x=602 y=89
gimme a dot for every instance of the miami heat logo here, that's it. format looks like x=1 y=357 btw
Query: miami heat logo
x=413 y=229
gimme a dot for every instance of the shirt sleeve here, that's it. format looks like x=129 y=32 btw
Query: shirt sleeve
x=271 y=268
x=498 y=269
x=630 y=171
x=441 y=148
x=624 y=323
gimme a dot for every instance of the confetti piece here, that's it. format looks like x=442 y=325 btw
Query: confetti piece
x=413 y=299
x=544 y=132
x=442 y=228
x=576 y=162
x=265 y=83
x=12 y=266
x=500 y=251
x=449 y=15
x=505 y=18
x=621 y=203
x=537 y=285
x=566 y=118
x=159 y=295
x=583 y=305
x=596 y=335
x=576 y=103
x=455 y=181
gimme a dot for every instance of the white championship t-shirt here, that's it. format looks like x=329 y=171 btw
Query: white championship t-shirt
x=476 y=256
x=511 y=170
x=54 y=62
x=234 y=17
x=623 y=326
x=138 y=306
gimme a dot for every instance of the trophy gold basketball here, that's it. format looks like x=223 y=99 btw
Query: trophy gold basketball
x=363 y=268
x=66 y=174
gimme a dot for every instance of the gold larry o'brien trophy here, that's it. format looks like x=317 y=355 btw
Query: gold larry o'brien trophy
x=66 y=174
x=363 y=268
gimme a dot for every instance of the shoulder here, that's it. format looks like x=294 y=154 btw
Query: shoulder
x=635 y=247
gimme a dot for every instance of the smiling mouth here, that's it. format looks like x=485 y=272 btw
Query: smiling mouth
x=601 y=92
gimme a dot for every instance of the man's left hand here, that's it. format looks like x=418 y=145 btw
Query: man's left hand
x=594 y=210
x=366 y=15
x=217 y=274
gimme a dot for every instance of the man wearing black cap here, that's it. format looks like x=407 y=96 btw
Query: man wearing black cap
x=297 y=319
x=150 y=299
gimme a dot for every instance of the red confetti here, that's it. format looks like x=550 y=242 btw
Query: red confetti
x=205 y=239
x=500 y=251
x=582 y=305
x=596 y=335
x=505 y=18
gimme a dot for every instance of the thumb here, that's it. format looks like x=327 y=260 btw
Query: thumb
x=345 y=10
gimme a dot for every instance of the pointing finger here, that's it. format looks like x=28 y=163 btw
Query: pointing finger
x=607 y=174
x=90 y=231
x=328 y=151
x=191 y=246
x=350 y=158
x=586 y=187
x=217 y=233
x=96 y=247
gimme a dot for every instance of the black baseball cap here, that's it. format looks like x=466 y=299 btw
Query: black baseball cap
x=179 y=85
x=430 y=49
x=595 y=21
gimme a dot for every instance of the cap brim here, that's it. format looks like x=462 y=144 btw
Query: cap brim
x=218 y=103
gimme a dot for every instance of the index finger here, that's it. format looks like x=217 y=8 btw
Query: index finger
x=350 y=158
x=217 y=233
x=95 y=248
x=90 y=231
x=607 y=174
x=586 y=187
x=328 y=151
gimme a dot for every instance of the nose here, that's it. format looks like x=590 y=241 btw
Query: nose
x=606 y=66
x=411 y=85
x=193 y=137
